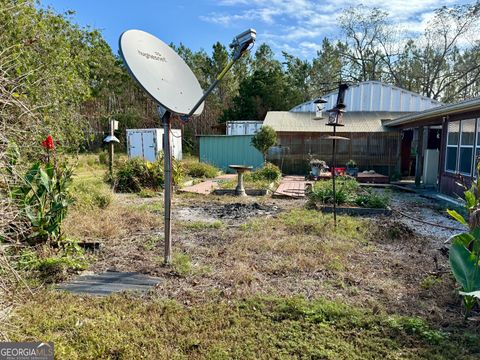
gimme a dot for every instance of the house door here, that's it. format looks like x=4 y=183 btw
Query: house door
x=407 y=160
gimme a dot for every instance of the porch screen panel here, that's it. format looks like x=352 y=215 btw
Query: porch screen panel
x=467 y=141
x=452 y=146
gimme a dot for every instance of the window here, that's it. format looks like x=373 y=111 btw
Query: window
x=461 y=141
x=452 y=146
x=467 y=142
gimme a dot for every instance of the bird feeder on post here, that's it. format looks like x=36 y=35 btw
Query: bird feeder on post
x=319 y=107
x=111 y=140
x=335 y=118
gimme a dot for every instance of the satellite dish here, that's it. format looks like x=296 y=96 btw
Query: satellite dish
x=161 y=72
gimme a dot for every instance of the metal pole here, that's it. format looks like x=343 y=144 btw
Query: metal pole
x=167 y=188
x=110 y=150
x=333 y=176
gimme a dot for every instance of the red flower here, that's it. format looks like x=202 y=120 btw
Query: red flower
x=48 y=143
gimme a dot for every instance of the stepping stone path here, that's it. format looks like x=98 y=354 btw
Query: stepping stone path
x=110 y=282
x=291 y=186
x=206 y=187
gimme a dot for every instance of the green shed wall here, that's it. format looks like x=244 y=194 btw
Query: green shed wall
x=225 y=150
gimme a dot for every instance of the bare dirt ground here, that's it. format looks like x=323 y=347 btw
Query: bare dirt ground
x=227 y=247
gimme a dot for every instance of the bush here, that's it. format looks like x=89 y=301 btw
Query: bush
x=200 y=170
x=134 y=174
x=264 y=139
x=268 y=172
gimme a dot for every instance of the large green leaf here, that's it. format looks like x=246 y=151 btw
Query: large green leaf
x=464 y=239
x=464 y=267
x=470 y=200
x=456 y=216
x=44 y=180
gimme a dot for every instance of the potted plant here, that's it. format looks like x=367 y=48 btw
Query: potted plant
x=352 y=168
x=318 y=166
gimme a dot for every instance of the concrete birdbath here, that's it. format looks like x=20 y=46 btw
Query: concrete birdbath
x=240 y=169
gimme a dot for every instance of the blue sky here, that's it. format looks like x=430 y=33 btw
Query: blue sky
x=295 y=26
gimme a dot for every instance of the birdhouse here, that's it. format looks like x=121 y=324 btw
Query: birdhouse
x=319 y=107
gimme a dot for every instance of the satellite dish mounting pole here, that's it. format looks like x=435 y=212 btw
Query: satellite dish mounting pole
x=167 y=182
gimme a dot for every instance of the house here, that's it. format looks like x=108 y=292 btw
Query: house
x=454 y=132
x=372 y=145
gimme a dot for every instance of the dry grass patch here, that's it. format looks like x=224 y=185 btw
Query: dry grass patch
x=123 y=327
x=115 y=221
x=300 y=241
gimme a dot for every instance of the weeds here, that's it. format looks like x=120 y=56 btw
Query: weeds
x=348 y=192
x=52 y=265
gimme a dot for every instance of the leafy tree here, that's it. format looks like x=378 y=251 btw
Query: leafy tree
x=262 y=92
x=264 y=139
x=299 y=76
x=327 y=68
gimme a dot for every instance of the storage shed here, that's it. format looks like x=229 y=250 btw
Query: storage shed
x=147 y=143
x=224 y=150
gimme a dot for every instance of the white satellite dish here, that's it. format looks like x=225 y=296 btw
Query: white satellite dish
x=161 y=72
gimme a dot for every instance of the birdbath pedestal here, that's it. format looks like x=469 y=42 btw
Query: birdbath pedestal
x=240 y=169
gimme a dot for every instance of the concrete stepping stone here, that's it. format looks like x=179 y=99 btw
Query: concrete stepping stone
x=110 y=282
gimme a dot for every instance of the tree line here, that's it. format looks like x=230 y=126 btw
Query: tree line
x=72 y=84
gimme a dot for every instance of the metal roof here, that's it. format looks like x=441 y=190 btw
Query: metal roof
x=357 y=121
x=375 y=96
x=460 y=107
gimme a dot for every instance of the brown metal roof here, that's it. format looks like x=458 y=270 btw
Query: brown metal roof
x=357 y=121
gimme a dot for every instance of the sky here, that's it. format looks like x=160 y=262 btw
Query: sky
x=295 y=26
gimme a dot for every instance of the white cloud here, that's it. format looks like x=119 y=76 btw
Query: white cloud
x=297 y=26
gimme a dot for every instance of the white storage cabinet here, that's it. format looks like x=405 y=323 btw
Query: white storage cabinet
x=148 y=143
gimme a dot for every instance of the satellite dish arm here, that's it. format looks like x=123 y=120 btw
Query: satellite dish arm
x=241 y=43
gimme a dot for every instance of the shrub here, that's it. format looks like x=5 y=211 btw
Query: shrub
x=264 y=139
x=134 y=174
x=268 y=172
x=200 y=170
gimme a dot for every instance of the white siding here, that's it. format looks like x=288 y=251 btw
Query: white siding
x=375 y=96
x=243 y=127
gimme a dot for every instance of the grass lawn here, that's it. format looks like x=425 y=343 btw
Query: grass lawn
x=128 y=327
x=251 y=278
